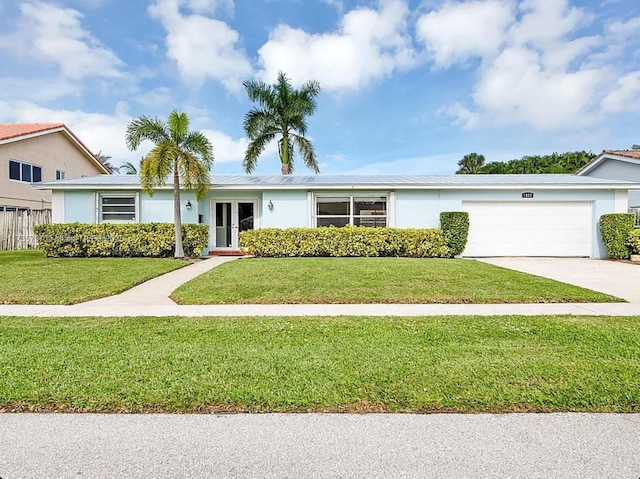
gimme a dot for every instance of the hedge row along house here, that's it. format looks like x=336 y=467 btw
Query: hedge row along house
x=510 y=215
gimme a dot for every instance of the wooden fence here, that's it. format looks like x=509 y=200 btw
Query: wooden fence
x=16 y=228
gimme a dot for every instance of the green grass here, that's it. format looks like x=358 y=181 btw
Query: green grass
x=28 y=277
x=466 y=364
x=374 y=280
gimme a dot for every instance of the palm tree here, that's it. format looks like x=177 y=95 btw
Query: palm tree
x=128 y=168
x=188 y=155
x=106 y=161
x=470 y=164
x=282 y=113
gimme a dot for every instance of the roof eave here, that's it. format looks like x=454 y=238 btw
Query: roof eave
x=533 y=186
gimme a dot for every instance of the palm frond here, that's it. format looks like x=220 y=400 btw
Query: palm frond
x=305 y=148
x=255 y=148
x=157 y=166
x=178 y=126
x=145 y=128
x=258 y=120
x=199 y=145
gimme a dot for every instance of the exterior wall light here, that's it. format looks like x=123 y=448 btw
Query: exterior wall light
x=270 y=205
x=188 y=205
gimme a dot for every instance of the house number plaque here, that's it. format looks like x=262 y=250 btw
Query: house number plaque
x=527 y=194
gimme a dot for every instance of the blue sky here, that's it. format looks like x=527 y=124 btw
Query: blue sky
x=408 y=86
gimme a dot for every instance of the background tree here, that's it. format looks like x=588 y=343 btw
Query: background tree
x=470 y=164
x=128 y=169
x=282 y=113
x=188 y=155
x=565 y=163
x=106 y=161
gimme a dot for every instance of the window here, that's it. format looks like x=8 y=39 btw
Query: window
x=341 y=211
x=24 y=172
x=59 y=175
x=14 y=170
x=10 y=209
x=117 y=208
x=636 y=211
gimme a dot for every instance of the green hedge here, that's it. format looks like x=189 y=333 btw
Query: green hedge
x=615 y=229
x=633 y=241
x=455 y=226
x=348 y=241
x=119 y=240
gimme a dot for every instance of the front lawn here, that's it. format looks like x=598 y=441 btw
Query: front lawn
x=374 y=280
x=28 y=277
x=464 y=364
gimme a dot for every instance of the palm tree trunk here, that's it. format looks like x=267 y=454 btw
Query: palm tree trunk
x=177 y=216
x=286 y=166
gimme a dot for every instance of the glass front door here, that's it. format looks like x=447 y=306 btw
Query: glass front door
x=230 y=218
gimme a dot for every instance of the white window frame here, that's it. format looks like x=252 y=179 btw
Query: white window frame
x=352 y=197
x=60 y=175
x=136 y=203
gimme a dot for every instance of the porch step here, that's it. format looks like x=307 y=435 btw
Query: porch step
x=228 y=253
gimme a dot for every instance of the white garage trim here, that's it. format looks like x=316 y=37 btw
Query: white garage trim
x=536 y=228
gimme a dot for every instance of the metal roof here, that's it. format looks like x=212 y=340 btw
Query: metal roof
x=320 y=181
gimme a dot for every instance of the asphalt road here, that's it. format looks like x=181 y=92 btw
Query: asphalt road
x=320 y=445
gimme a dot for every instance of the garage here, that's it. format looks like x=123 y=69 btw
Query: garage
x=529 y=228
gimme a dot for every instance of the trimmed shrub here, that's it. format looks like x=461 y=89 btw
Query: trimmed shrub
x=633 y=241
x=348 y=241
x=615 y=229
x=455 y=226
x=157 y=240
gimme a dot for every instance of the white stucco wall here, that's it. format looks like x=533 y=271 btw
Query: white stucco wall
x=291 y=208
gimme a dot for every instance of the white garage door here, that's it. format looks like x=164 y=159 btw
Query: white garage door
x=528 y=228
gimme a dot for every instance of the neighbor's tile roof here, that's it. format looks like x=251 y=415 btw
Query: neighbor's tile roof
x=13 y=130
x=635 y=154
x=274 y=181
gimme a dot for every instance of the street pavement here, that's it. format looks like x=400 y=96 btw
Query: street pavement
x=320 y=446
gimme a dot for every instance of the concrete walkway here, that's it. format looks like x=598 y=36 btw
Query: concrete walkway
x=618 y=279
x=156 y=291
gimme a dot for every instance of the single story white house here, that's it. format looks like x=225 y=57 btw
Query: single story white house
x=510 y=215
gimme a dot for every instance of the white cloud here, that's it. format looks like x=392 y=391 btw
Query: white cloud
x=98 y=131
x=543 y=23
x=460 y=31
x=625 y=96
x=517 y=89
x=535 y=67
x=202 y=47
x=105 y=132
x=225 y=148
x=624 y=29
x=49 y=34
x=370 y=44
x=157 y=97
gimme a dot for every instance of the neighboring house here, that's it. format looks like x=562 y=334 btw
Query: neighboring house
x=35 y=152
x=617 y=165
x=510 y=215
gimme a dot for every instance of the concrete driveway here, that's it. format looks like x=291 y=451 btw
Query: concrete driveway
x=615 y=278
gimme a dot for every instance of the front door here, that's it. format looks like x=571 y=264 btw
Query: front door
x=230 y=218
